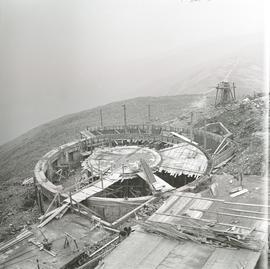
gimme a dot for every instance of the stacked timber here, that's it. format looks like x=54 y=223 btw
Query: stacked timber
x=203 y=234
x=8 y=244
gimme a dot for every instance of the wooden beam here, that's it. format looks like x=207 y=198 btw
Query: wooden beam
x=56 y=212
x=219 y=151
x=75 y=185
x=208 y=221
x=244 y=211
x=243 y=204
x=111 y=229
x=50 y=205
x=85 y=208
x=232 y=215
x=219 y=146
x=211 y=229
x=133 y=211
x=221 y=201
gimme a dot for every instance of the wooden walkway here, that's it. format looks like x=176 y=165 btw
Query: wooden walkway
x=80 y=196
x=95 y=188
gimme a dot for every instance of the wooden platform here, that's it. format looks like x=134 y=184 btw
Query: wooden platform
x=148 y=251
x=95 y=188
x=183 y=158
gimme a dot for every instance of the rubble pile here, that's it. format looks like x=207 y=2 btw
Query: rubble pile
x=245 y=119
x=150 y=208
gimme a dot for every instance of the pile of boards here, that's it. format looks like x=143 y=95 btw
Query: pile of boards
x=203 y=234
x=8 y=244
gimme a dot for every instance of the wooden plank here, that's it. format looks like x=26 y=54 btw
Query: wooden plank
x=133 y=211
x=217 y=149
x=86 y=208
x=47 y=215
x=184 y=138
x=160 y=183
x=52 y=216
x=15 y=241
x=243 y=211
x=209 y=221
x=93 y=189
x=50 y=206
x=239 y=193
x=222 y=201
x=148 y=174
x=233 y=215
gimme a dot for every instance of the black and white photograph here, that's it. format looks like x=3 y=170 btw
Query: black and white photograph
x=134 y=134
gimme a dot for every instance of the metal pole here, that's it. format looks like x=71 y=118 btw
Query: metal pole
x=125 y=117
x=101 y=119
x=149 y=113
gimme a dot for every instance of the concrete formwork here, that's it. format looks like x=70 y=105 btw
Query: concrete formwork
x=71 y=154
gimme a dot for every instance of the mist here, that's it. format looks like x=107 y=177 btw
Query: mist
x=60 y=57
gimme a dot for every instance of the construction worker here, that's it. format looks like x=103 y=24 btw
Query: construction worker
x=240 y=175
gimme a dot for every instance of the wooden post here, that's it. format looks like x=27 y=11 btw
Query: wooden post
x=56 y=196
x=38 y=201
x=41 y=201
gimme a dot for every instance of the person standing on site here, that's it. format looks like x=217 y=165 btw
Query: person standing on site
x=240 y=175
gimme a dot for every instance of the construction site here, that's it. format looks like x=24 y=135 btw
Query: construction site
x=147 y=196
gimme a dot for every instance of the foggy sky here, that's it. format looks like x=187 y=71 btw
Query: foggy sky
x=64 y=56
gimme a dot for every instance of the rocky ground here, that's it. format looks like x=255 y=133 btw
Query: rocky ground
x=246 y=120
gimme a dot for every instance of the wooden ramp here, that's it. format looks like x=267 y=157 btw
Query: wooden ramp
x=95 y=188
x=159 y=184
x=80 y=196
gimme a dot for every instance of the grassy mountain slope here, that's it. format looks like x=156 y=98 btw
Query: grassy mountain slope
x=18 y=157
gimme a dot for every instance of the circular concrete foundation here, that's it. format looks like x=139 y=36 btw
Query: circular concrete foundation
x=121 y=160
x=112 y=170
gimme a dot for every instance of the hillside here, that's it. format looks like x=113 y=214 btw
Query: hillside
x=18 y=157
